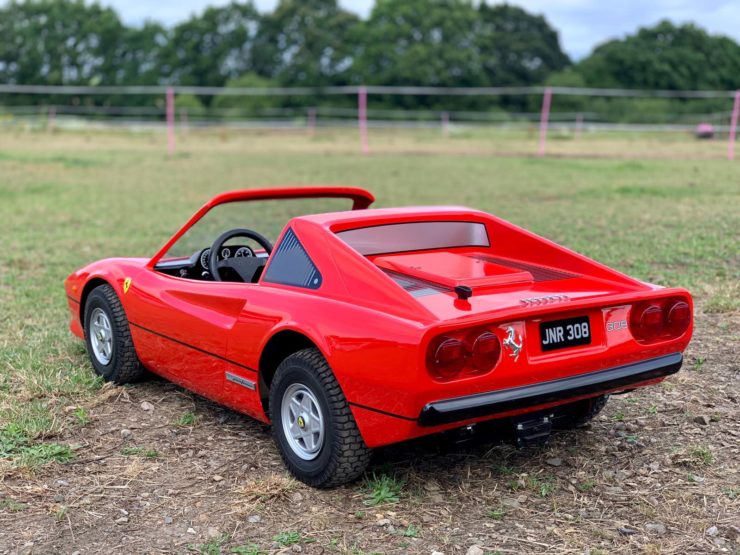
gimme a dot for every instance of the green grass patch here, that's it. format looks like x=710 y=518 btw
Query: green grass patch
x=211 y=547
x=382 y=489
x=186 y=419
x=543 y=486
x=497 y=513
x=287 y=539
x=732 y=493
x=39 y=454
x=11 y=505
x=140 y=452
x=586 y=486
x=250 y=549
x=81 y=416
x=702 y=456
x=724 y=299
x=23 y=452
x=410 y=531
x=503 y=469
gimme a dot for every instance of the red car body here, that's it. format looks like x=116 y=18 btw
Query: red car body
x=383 y=339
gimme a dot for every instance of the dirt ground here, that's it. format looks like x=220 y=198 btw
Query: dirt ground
x=159 y=470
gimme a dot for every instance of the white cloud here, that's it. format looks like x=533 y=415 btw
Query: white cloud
x=583 y=24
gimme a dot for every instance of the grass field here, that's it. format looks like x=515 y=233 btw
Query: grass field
x=67 y=199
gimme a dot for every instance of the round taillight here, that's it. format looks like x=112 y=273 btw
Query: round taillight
x=679 y=318
x=447 y=359
x=646 y=322
x=486 y=351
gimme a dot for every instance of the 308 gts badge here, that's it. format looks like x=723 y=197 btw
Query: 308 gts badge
x=511 y=344
x=616 y=326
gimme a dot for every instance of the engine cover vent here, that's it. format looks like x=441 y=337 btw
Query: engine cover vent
x=539 y=273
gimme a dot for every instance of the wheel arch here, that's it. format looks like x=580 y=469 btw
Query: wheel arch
x=90 y=286
x=281 y=345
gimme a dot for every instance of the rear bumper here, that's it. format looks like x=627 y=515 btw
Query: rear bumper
x=457 y=409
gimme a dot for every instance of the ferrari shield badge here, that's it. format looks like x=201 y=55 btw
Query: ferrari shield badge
x=126 y=284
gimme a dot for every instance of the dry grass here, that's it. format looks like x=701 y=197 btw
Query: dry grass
x=406 y=142
x=645 y=477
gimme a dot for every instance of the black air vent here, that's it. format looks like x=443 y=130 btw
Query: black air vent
x=539 y=273
x=290 y=264
x=417 y=287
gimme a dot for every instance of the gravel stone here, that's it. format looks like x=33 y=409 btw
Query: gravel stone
x=655 y=528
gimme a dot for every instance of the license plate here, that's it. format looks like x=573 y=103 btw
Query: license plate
x=560 y=334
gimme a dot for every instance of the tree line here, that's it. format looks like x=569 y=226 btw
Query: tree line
x=316 y=43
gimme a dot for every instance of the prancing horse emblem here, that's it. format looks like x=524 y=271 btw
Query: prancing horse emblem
x=511 y=343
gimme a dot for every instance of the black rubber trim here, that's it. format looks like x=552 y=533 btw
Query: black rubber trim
x=494 y=402
x=188 y=345
x=73 y=299
x=386 y=413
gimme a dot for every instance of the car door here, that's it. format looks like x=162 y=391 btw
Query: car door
x=181 y=327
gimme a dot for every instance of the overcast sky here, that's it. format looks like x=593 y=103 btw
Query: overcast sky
x=581 y=23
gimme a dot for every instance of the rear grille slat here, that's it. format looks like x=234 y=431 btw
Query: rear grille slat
x=420 y=288
x=539 y=273
x=417 y=287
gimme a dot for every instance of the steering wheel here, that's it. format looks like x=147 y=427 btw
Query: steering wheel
x=246 y=266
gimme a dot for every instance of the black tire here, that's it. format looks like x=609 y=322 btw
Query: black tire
x=343 y=456
x=582 y=412
x=123 y=366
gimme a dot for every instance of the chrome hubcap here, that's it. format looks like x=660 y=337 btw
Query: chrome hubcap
x=303 y=423
x=101 y=336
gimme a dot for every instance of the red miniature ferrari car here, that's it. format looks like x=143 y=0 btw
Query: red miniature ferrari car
x=365 y=327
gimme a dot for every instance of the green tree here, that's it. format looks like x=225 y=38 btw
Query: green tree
x=516 y=47
x=247 y=104
x=306 y=43
x=59 y=42
x=210 y=48
x=140 y=55
x=419 y=42
x=665 y=56
x=453 y=43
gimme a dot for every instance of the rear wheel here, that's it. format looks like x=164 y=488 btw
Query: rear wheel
x=108 y=337
x=312 y=423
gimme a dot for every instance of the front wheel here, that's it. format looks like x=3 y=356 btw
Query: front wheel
x=108 y=338
x=312 y=423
